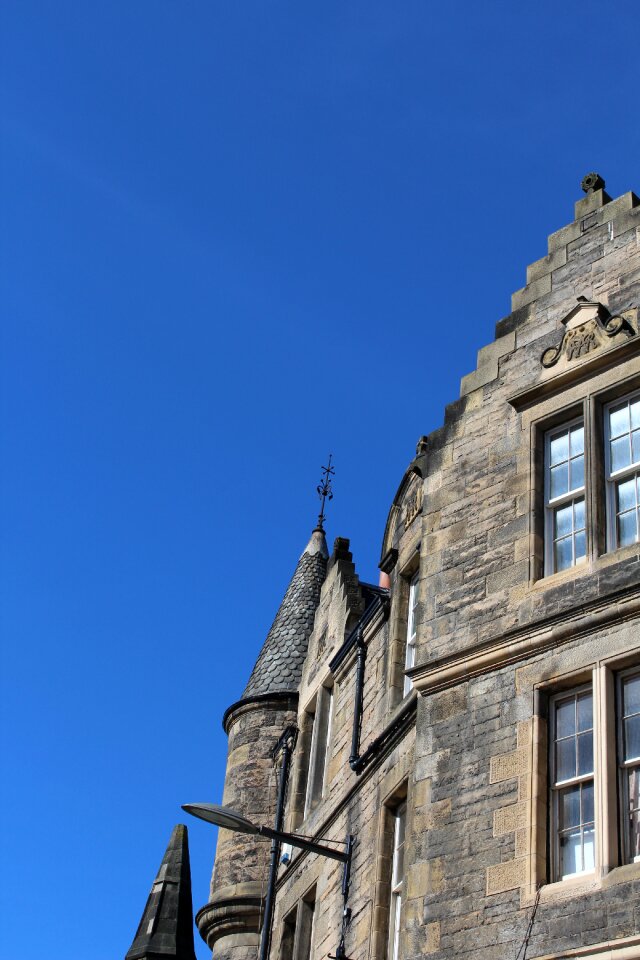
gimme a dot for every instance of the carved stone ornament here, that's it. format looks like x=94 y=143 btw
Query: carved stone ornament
x=592 y=182
x=588 y=327
x=413 y=503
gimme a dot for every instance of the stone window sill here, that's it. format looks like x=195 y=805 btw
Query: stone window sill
x=588 y=568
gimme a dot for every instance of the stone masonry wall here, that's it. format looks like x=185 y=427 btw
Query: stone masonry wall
x=474 y=769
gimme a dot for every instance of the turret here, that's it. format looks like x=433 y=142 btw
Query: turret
x=230 y=923
x=165 y=931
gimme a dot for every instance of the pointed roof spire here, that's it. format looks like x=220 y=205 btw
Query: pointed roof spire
x=166 y=927
x=279 y=665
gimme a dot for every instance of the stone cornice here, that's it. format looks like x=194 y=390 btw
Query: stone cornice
x=517 y=645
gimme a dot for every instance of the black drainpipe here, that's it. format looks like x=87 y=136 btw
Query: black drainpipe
x=358 y=761
x=361 y=656
x=285 y=746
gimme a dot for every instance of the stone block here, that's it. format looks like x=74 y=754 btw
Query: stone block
x=509 y=819
x=546 y=265
x=590 y=203
x=509 y=765
x=564 y=236
x=533 y=291
x=506 y=876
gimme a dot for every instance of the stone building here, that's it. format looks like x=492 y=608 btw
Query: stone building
x=473 y=721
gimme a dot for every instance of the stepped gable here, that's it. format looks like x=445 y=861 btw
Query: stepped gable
x=279 y=666
x=166 y=927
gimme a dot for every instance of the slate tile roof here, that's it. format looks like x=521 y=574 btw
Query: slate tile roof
x=279 y=664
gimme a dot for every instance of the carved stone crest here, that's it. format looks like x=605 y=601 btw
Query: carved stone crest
x=589 y=327
x=413 y=503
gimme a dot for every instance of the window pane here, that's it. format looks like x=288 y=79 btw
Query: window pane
x=565 y=759
x=589 y=850
x=626 y=494
x=634 y=839
x=587 y=803
x=620 y=453
x=560 y=480
x=563 y=554
x=633 y=785
x=581 y=546
x=563 y=521
x=585 y=712
x=631 y=695
x=577 y=440
x=585 y=753
x=396 y=907
x=570 y=854
x=632 y=738
x=632 y=824
x=569 y=804
x=635 y=413
x=635 y=445
x=559 y=448
x=399 y=865
x=401 y=821
x=565 y=718
x=627 y=528
x=619 y=419
x=577 y=473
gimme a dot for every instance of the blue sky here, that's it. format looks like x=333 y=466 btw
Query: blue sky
x=235 y=237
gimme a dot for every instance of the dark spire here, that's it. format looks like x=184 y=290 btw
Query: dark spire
x=166 y=928
x=279 y=665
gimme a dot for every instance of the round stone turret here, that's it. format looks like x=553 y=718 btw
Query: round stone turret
x=230 y=922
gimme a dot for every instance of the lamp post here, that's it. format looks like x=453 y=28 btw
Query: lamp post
x=229 y=819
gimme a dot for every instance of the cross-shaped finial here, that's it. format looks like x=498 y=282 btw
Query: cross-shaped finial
x=324 y=491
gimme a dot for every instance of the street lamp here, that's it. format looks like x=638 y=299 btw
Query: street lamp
x=229 y=819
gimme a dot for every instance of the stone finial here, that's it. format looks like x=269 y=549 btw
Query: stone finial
x=592 y=182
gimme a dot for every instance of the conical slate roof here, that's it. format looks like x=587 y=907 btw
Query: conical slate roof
x=279 y=666
x=166 y=927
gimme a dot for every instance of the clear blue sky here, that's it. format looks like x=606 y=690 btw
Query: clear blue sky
x=235 y=237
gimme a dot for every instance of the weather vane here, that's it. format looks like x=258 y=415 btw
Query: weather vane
x=324 y=491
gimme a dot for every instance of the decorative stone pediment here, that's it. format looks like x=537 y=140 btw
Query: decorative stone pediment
x=589 y=329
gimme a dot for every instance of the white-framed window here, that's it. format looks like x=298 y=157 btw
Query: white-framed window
x=320 y=747
x=593 y=822
x=564 y=493
x=410 y=649
x=628 y=710
x=397 y=880
x=572 y=784
x=622 y=462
